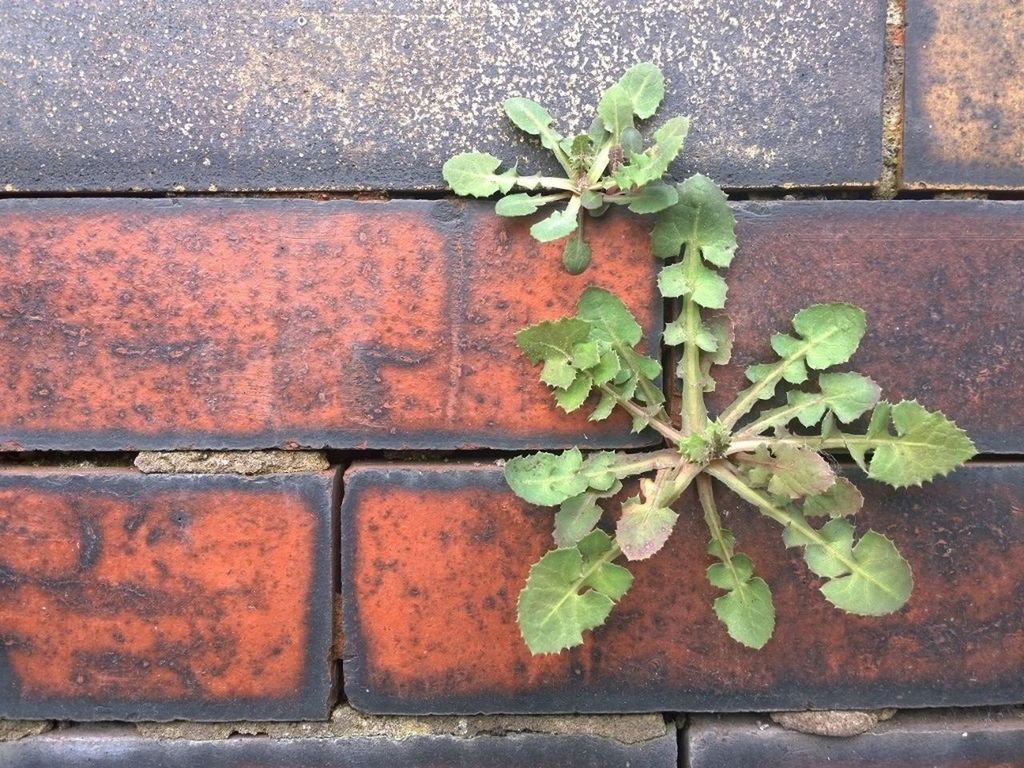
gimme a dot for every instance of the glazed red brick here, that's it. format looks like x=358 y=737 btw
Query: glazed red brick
x=434 y=556
x=114 y=748
x=225 y=323
x=941 y=283
x=972 y=739
x=128 y=596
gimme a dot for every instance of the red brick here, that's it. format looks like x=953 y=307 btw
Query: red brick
x=911 y=740
x=941 y=283
x=221 y=323
x=128 y=596
x=964 y=95
x=95 y=748
x=434 y=556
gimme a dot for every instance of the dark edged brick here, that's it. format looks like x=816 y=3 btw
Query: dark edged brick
x=964 y=94
x=361 y=95
x=94 y=748
x=157 y=597
x=966 y=739
x=230 y=323
x=434 y=556
x=941 y=283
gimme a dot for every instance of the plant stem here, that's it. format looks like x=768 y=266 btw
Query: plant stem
x=841 y=442
x=714 y=524
x=665 y=430
x=546 y=182
x=645 y=462
x=746 y=400
x=600 y=164
x=694 y=410
x=776 y=416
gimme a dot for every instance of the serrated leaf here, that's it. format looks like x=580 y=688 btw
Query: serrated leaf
x=603 y=409
x=606 y=369
x=702 y=216
x=848 y=395
x=706 y=287
x=606 y=577
x=798 y=472
x=616 y=110
x=831 y=333
x=828 y=559
x=520 y=204
x=649 y=166
x=926 y=445
x=576 y=517
x=880 y=584
x=552 y=339
x=532 y=118
x=558 y=373
x=841 y=499
x=473 y=173
x=644 y=86
x=719 y=329
x=553 y=614
x=576 y=255
x=546 y=479
x=653 y=197
x=644 y=527
x=573 y=396
x=748 y=613
x=612 y=323
x=558 y=225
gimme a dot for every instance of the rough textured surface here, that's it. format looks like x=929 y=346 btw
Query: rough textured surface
x=842 y=723
x=128 y=596
x=12 y=730
x=430 y=619
x=312 y=94
x=941 y=283
x=230 y=462
x=346 y=722
x=128 y=324
x=965 y=94
x=966 y=739
x=109 y=748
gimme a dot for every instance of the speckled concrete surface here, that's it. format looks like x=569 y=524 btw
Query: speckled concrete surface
x=310 y=94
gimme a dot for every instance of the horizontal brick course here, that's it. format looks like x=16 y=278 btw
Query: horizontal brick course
x=92 y=748
x=433 y=558
x=941 y=283
x=966 y=739
x=964 y=94
x=125 y=596
x=377 y=95
x=128 y=324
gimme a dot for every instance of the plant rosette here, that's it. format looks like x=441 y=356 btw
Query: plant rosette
x=769 y=446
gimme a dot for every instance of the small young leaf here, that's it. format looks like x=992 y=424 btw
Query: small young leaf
x=644 y=527
x=546 y=479
x=616 y=110
x=705 y=286
x=553 y=614
x=576 y=255
x=573 y=396
x=841 y=499
x=926 y=445
x=797 y=472
x=558 y=225
x=520 y=204
x=653 y=197
x=644 y=86
x=473 y=173
x=701 y=216
x=650 y=166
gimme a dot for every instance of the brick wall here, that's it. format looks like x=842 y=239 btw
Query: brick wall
x=258 y=368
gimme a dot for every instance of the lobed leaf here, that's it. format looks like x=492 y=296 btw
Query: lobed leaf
x=546 y=479
x=649 y=166
x=841 y=499
x=473 y=173
x=644 y=86
x=748 y=612
x=848 y=395
x=703 y=217
x=706 y=287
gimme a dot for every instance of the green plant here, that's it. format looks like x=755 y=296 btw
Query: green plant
x=593 y=354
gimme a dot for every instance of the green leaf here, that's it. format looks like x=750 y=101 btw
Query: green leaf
x=644 y=86
x=631 y=140
x=572 y=397
x=558 y=373
x=651 y=165
x=797 y=472
x=706 y=287
x=718 y=352
x=592 y=199
x=553 y=614
x=546 y=479
x=848 y=395
x=880 y=584
x=576 y=255
x=603 y=409
x=828 y=559
x=520 y=204
x=552 y=339
x=576 y=517
x=653 y=197
x=926 y=445
x=841 y=499
x=532 y=118
x=644 y=527
x=473 y=173
x=558 y=225
x=702 y=216
x=606 y=577
x=612 y=323
x=748 y=613
x=616 y=110
x=831 y=333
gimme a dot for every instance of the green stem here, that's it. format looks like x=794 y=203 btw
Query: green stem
x=776 y=416
x=714 y=524
x=841 y=442
x=546 y=182
x=746 y=400
x=694 y=409
x=600 y=164
x=665 y=430
x=645 y=462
